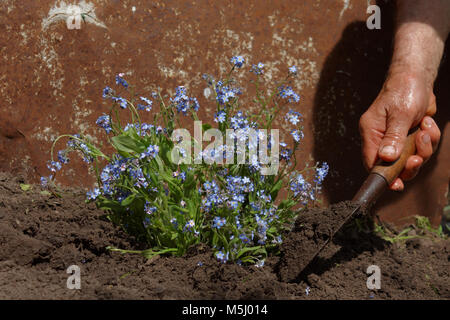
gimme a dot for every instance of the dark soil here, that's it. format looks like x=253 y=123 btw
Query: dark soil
x=42 y=235
x=310 y=232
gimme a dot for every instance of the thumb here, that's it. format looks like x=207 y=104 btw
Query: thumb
x=394 y=139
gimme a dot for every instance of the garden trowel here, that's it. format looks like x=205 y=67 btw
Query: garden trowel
x=379 y=179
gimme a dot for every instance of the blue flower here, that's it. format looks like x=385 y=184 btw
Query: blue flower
x=174 y=222
x=189 y=225
x=222 y=257
x=258 y=68
x=131 y=125
x=121 y=101
x=277 y=240
x=214 y=197
x=263 y=197
x=238 y=222
x=151 y=152
x=321 y=173
x=107 y=91
x=145 y=129
x=293 y=70
x=237 y=61
x=138 y=176
x=146 y=107
x=121 y=80
x=92 y=195
x=54 y=166
x=225 y=94
x=195 y=105
x=179 y=175
x=104 y=122
x=293 y=117
x=285 y=154
x=148 y=209
x=146 y=222
x=301 y=188
x=147 y=101
x=220 y=117
x=76 y=144
x=288 y=93
x=244 y=238
x=260 y=264
x=62 y=156
x=297 y=135
x=182 y=101
x=219 y=222
x=239 y=121
x=262 y=229
x=44 y=182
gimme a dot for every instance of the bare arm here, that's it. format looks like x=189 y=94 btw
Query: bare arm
x=422 y=28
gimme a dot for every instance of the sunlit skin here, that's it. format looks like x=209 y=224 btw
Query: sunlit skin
x=406 y=99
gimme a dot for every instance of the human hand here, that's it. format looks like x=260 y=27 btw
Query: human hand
x=405 y=101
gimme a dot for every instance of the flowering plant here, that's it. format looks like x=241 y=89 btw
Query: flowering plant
x=150 y=187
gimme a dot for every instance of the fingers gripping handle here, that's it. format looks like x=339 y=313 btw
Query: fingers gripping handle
x=384 y=173
x=391 y=170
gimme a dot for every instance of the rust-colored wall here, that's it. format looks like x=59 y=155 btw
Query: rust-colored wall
x=52 y=77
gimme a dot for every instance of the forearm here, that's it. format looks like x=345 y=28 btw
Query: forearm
x=422 y=28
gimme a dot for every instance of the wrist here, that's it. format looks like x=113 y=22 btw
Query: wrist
x=407 y=78
x=404 y=72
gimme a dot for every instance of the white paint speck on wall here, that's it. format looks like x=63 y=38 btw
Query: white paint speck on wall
x=61 y=11
x=346 y=6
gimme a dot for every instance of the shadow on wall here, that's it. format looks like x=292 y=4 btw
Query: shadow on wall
x=351 y=78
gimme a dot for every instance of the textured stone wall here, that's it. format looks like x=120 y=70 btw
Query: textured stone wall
x=52 y=77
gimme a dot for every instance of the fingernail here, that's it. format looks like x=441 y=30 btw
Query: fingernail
x=397 y=186
x=426 y=138
x=388 y=151
x=428 y=122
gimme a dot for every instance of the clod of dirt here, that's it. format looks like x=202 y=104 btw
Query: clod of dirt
x=311 y=230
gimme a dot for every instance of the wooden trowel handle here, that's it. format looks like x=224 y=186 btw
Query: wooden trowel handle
x=384 y=173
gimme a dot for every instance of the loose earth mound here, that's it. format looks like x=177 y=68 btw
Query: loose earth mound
x=42 y=235
x=311 y=231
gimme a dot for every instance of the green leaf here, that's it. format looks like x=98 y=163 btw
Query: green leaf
x=206 y=126
x=126 y=144
x=276 y=188
x=46 y=193
x=25 y=187
x=286 y=204
x=190 y=182
x=109 y=204
x=254 y=250
x=128 y=200
x=178 y=208
x=234 y=169
x=215 y=239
